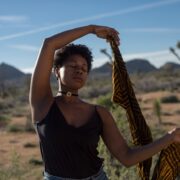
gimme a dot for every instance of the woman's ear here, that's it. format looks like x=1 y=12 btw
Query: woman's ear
x=56 y=72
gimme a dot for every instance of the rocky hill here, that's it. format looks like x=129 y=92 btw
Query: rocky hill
x=8 y=72
x=169 y=66
x=139 y=65
x=12 y=77
x=104 y=70
x=133 y=66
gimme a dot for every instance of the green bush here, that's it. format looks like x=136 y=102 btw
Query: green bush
x=105 y=101
x=4 y=118
x=15 y=128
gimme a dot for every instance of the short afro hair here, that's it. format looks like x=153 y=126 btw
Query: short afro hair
x=62 y=54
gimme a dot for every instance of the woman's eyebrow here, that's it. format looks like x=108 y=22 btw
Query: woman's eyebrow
x=76 y=63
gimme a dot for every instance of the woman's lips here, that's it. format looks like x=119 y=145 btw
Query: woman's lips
x=78 y=79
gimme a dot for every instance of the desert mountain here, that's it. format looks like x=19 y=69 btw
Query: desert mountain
x=8 y=72
x=169 y=66
x=139 y=65
x=133 y=66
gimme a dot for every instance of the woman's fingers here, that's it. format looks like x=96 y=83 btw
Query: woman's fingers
x=106 y=32
x=175 y=134
x=115 y=35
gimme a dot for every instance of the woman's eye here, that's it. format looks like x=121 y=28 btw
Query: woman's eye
x=74 y=67
x=84 y=70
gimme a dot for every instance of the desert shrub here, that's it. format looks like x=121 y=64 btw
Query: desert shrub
x=14 y=128
x=35 y=162
x=170 y=99
x=8 y=104
x=30 y=145
x=1 y=106
x=4 y=119
x=16 y=113
x=15 y=170
x=105 y=101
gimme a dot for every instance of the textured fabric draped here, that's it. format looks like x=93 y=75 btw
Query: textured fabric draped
x=123 y=94
x=168 y=165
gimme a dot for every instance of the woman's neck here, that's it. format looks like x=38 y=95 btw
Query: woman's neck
x=68 y=96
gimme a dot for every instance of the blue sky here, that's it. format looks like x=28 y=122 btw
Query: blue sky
x=147 y=28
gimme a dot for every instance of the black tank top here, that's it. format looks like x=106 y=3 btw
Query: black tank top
x=68 y=151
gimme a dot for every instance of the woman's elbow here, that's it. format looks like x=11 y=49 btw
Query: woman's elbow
x=126 y=159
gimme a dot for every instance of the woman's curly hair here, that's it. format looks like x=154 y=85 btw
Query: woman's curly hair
x=62 y=54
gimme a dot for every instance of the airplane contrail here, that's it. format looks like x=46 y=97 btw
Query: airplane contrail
x=96 y=17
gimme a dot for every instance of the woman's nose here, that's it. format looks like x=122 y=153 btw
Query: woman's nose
x=79 y=70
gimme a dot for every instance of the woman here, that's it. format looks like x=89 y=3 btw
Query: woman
x=69 y=128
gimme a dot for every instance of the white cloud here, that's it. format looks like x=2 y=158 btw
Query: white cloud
x=96 y=17
x=25 y=47
x=13 y=19
x=147 y=54
x=28 y=70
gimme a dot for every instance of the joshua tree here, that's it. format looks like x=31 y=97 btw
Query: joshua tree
x=104 y=51
x=173 y=50
x=178 y=45
x=157 y=110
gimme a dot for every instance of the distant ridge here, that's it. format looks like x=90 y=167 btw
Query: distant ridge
x=169 y=66
x=139 y=65
x=104 y=70
x=133 y=66
x=8 y=72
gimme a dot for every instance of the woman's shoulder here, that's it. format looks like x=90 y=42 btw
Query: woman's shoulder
x=96 y=106
x=104 y=113
x=101 y=110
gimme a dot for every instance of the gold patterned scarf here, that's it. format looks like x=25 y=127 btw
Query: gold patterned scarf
x=168 y=165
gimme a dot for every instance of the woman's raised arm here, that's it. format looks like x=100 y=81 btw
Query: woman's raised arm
x=40 y=91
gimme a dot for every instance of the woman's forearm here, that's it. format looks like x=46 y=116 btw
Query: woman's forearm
x=139 y=154
x=61 y=39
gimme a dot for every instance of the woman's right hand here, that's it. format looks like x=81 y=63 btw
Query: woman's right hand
x=104 y=32
x=175 y=134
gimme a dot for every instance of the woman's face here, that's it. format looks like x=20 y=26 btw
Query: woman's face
x=74 y=72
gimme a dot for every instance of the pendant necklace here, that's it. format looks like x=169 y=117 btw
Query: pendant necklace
x=68 y=93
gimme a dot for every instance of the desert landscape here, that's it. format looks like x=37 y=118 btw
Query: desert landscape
x=19 y=146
